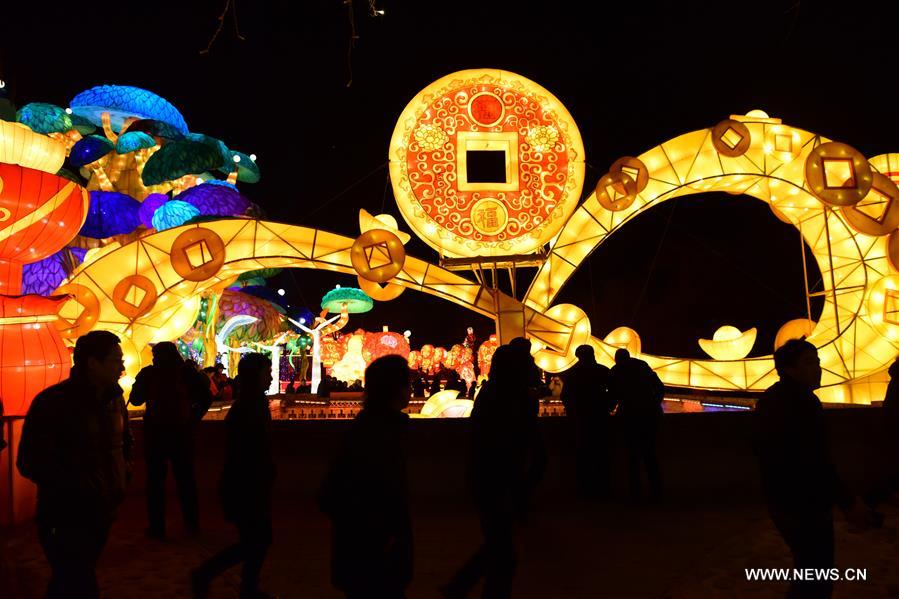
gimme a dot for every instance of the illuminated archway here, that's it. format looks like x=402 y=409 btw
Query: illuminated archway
x=760 y=157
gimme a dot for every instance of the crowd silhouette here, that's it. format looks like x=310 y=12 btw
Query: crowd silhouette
x=76 y=446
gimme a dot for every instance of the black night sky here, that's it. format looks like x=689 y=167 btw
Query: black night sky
x=632 y=75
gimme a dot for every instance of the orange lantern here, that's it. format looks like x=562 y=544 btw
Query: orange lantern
x=39 y=214
x=32 y=353
x=485 y=355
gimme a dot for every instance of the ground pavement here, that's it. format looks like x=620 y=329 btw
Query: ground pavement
x=695 y=544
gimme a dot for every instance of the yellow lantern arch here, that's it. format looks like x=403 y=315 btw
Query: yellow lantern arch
x=856 y=334
x=809 y=183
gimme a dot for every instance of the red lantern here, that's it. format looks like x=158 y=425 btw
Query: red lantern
x=32 y=353
x=485 y=354
x=39 y=214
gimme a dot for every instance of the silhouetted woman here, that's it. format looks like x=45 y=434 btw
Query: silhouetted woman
x=247 y=480
x=507 y=461
x=365 y=492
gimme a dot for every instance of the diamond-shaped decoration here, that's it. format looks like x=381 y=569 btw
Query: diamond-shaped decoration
x=135 y=295
x=198 y=254
x=631 y=172
x=616 y=192
x=731 y=138
x=377 y=255
x=839 y=173
x=891 y=307
x=783 y=143
x=875 y=204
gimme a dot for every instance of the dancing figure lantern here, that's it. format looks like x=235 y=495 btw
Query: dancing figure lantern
x=346 y=301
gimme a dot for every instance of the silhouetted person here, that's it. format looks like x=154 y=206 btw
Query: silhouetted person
x=586 y=399
x=435 y=386
x=247 y=479
x=800 y=482
x=888 y=445
x=176 y=396
x=325 y=386
x=418 y=387
x=638 y=393
x=365 y=493
x=76 y=446
x=531 y=371
x=507 y=461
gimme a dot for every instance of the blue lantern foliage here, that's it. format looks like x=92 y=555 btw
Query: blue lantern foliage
x=44 y=118
x=215 y=200
x=173 y=214
x=122 y=102
x=89 y=149
x=222 y=183
x=110 y=213
x=149 y=207
x=132 y=141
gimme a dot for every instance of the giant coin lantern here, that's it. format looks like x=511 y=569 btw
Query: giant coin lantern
x=486 y=163
x=39 y=214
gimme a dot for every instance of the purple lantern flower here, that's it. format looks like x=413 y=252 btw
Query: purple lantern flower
x=44 y=276
x=215 y=200
x=148 y=208
x=111 y=213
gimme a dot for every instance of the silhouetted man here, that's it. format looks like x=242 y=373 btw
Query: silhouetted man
x=176 y=396
x=365 y=492
x=800 y=482
x=507 y=461
x=638 y=393
x=586 y=399
x=247 y=480
x=888 y=443
x=76 y=446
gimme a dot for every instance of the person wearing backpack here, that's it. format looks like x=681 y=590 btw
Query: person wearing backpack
x=177 y=396
x=638 y=393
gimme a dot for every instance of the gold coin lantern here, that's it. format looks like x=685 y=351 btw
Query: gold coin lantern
x=486 y=163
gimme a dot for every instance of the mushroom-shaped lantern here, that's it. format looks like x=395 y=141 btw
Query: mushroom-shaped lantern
x=173 y=214
x=729 y=343
x=217 y=145
x=354 y=301
x=44 y=118
x=89 y=150
x=132 y=141
x=247 y=171
x=110 y=213
x=156 y=129
x=149 y=206
x=215 y=200
x=178 y=158
x=123 y=102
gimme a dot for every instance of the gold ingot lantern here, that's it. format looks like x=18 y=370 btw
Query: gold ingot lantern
x=729 y=343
